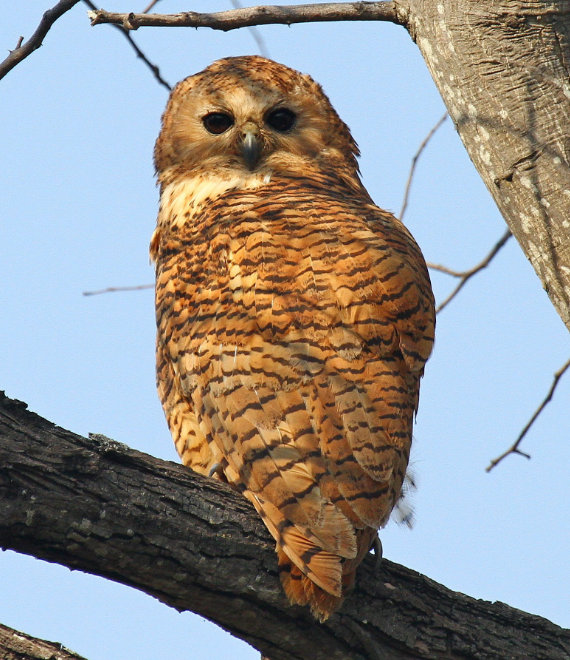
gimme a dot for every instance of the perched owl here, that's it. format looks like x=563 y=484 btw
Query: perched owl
x=294 y=316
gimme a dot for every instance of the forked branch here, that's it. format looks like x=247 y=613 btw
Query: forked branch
x=25 y=48
x=466 y=275
x=514 y=448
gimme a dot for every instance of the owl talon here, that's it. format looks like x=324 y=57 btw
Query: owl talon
x=215 y=468
x=377 y=547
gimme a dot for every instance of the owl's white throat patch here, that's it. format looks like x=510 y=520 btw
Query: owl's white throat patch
x=180 y=199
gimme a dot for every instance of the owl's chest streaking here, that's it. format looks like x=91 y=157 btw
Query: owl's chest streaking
x=281 y=261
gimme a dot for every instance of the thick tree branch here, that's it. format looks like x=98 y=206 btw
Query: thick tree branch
x=15 y=645
x=25 y=48
x=98 y=506
x=250 y=16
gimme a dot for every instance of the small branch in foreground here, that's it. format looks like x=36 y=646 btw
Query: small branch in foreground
x=153 y=67
x=514 y=448
x=250 y=16
x=114 y=289
x=23 y=49
x=16 y=645
x=467 y=274
x=418 y=153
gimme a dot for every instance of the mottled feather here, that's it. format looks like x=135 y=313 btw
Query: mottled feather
x=294 y=317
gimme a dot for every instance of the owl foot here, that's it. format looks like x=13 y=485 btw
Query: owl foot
x=377 y=547
x=215 y=469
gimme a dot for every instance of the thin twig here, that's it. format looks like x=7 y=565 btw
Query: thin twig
x=263 y=15
x=150 y=6
x=114 y=289
x=422 y=146
x=468 y=274
x=23 y=49
x=255 y=33
x=514 y=449
x=153 y=67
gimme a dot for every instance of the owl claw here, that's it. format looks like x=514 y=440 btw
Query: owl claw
x=377 y=547
x=215 y=468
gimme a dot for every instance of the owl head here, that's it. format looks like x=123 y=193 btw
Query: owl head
x=254 y=115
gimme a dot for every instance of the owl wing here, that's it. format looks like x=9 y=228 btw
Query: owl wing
x=294 y=337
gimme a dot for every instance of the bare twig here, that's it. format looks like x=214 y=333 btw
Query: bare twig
x=467 y=274
x=150 y=6
x=23 y=49
x=422 y=146
x=114 y=289
x=153 y=67
x=263 y=15
x=255 y=33
x=514 y=448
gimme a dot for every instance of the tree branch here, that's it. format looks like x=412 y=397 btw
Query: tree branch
x=514 y=448
x=23 y=49
x=255 y=33
x=418 y=153
x=250 y=16
x=98 y=506
x=466 y=275
x=115 y=289
x=153 y=67
x=15 y=645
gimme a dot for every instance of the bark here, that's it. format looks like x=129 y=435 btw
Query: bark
x=98 y=506
x=15 y=645
x=502 y=68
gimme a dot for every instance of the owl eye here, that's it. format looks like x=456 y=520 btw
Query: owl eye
x=281 y=119
x=217 y=122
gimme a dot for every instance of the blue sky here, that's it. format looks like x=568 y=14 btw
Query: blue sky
x=78 y=123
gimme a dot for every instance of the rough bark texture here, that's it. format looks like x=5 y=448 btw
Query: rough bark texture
x=15 y=645
x=503 y=70
x=96 y=505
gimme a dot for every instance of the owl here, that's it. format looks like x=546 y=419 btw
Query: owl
x=294 y=317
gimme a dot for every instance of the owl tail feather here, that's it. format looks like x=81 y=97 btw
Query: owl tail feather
x=301 y=590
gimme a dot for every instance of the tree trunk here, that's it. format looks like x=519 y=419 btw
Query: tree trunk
x=98 y=506
x=502 y=68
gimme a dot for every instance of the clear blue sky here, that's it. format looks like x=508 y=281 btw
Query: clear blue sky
x=78 y=123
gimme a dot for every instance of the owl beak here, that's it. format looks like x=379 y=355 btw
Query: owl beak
x=251 y=145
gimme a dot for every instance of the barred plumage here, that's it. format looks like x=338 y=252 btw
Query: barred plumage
x=294 y=316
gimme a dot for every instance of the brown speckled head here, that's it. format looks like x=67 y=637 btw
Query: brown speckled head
x=247 y=90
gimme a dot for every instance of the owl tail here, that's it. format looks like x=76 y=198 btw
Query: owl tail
x=301 y=590
x=301 y=586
